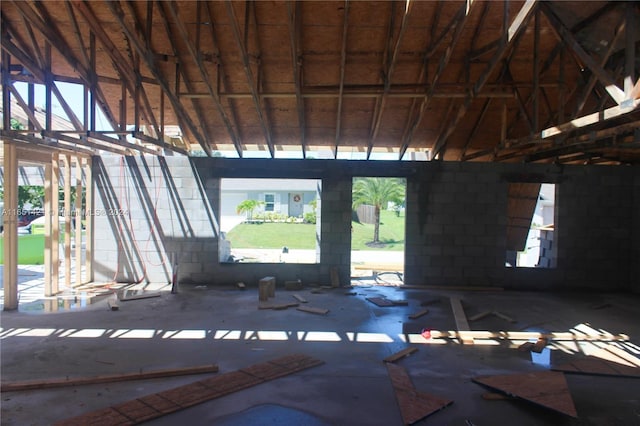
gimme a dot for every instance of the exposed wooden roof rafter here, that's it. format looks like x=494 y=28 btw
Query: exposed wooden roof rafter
x=164 y=8
x=512 y=32
x=262 y=117
x=343 y=64
x=565 y=35
x=294 y=14
x=150 y=62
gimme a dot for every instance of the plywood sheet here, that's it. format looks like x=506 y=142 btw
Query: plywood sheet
x=597 y=366
x=414 y=405
x=547 y=388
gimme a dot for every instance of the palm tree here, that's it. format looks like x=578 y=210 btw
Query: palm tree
x=248 y=206
x=377 y=192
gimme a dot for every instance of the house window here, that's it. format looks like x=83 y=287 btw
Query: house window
x=269 y=202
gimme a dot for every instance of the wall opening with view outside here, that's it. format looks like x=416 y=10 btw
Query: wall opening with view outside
x=270 y=220
x=531 y=221
x=378 y=229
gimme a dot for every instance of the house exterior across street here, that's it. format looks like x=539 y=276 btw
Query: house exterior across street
x=290 y=197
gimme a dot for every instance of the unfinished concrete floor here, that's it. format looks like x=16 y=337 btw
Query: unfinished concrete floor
x=208 y=325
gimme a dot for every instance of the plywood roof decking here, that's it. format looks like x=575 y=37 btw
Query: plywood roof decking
x=395 y=77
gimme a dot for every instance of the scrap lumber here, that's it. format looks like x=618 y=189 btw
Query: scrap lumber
x=241 y=285
x=293 y=285
x=380 y=301
x=277 y=306
x=400 y=302
x=266 y=288
x=401 y=354
x=526 y=347
x=481 y=315
x=598 y=367
x=461 y=321
x=546 y=388
x=560 y=336
x=419 y=314
x=335 y=277
x=78 y=381
x=113 y=304
x=299 y=298
x=503 y=316
x=309 y=309
x=540 y=345
x=142 y=295
x=169 y=401
x=414 y=405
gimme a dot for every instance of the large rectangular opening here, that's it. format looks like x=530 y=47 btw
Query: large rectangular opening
x=378 y=230
x=270 y=221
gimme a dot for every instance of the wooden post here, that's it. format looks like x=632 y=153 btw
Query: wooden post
x=10 y=223
x=88 y=222
x=48 y=215
x=67 y=220
x=78 y=218
x=55 y=223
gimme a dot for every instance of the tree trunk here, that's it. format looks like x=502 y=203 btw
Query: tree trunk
x=376 y=224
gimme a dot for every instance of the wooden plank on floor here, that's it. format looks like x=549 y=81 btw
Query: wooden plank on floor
x=401 y=354
x=156 y=405
x=142 y=295
x=77 y=381
x=381 y=301
x=414 y=405
x=461 y=321
x=299 y=298
x=599 y=367
x=309 y=309
x=419 y=314
x=546 y=388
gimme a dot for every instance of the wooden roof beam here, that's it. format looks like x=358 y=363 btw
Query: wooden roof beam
x=461 y=19
x=343 y=64
x=293 y=11
x=150 y=61
x=582 y=57
x=250 y=78
x=221 y=79
x=389 y=66
x=165 y=7
x=129 y=73
x=50 y=34
x=512 y=32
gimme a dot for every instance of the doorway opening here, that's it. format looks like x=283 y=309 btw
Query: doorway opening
x=378 y=230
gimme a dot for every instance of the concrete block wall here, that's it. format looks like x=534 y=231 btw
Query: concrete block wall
x=455 y=217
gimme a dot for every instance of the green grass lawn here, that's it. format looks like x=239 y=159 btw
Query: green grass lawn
x=303 y=235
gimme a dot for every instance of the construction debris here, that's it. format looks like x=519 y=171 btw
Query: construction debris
x=598 y=367
x=169 y=401
x=61 y=382
x=277 y=306
x=419 y=314
x=540 y=345
x=241 y=285
x=487 y=313
x=461 y=321
x=113 y=304
x=136 y=296
x=380 y=301
x=547 y=388
x=319 y=311
x=414 y=405
x=293 y=285
x=401 y=354
x=266 y=288
x=299 y=298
